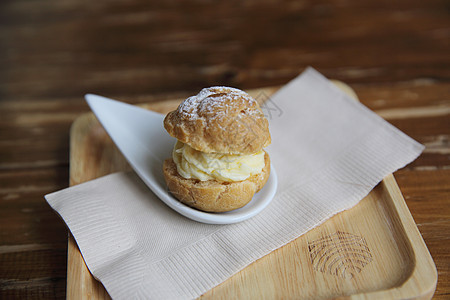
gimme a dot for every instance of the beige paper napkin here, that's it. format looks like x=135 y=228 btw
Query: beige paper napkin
x=329 y=152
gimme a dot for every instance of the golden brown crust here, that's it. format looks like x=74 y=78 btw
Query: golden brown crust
x=221 y=120
x=211 y=195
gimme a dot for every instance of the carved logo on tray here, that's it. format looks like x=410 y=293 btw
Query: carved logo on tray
x=342 y=254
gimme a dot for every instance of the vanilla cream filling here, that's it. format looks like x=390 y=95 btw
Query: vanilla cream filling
x=193 y=164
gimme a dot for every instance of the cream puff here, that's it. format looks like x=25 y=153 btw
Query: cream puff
x=218 y=162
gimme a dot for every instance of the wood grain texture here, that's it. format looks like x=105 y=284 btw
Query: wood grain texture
x=373 y=251
x=393 y=53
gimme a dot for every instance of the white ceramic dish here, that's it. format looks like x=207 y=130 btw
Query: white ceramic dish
x=142 y=139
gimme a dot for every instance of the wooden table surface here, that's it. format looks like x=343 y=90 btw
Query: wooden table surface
x=395 y=54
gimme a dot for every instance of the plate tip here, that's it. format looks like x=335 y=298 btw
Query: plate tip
x=89 y=96
x=93 y=99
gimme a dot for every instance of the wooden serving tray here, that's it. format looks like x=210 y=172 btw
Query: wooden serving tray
x=372 y=251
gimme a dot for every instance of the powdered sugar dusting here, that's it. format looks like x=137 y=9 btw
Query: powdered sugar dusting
x=216 y=102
